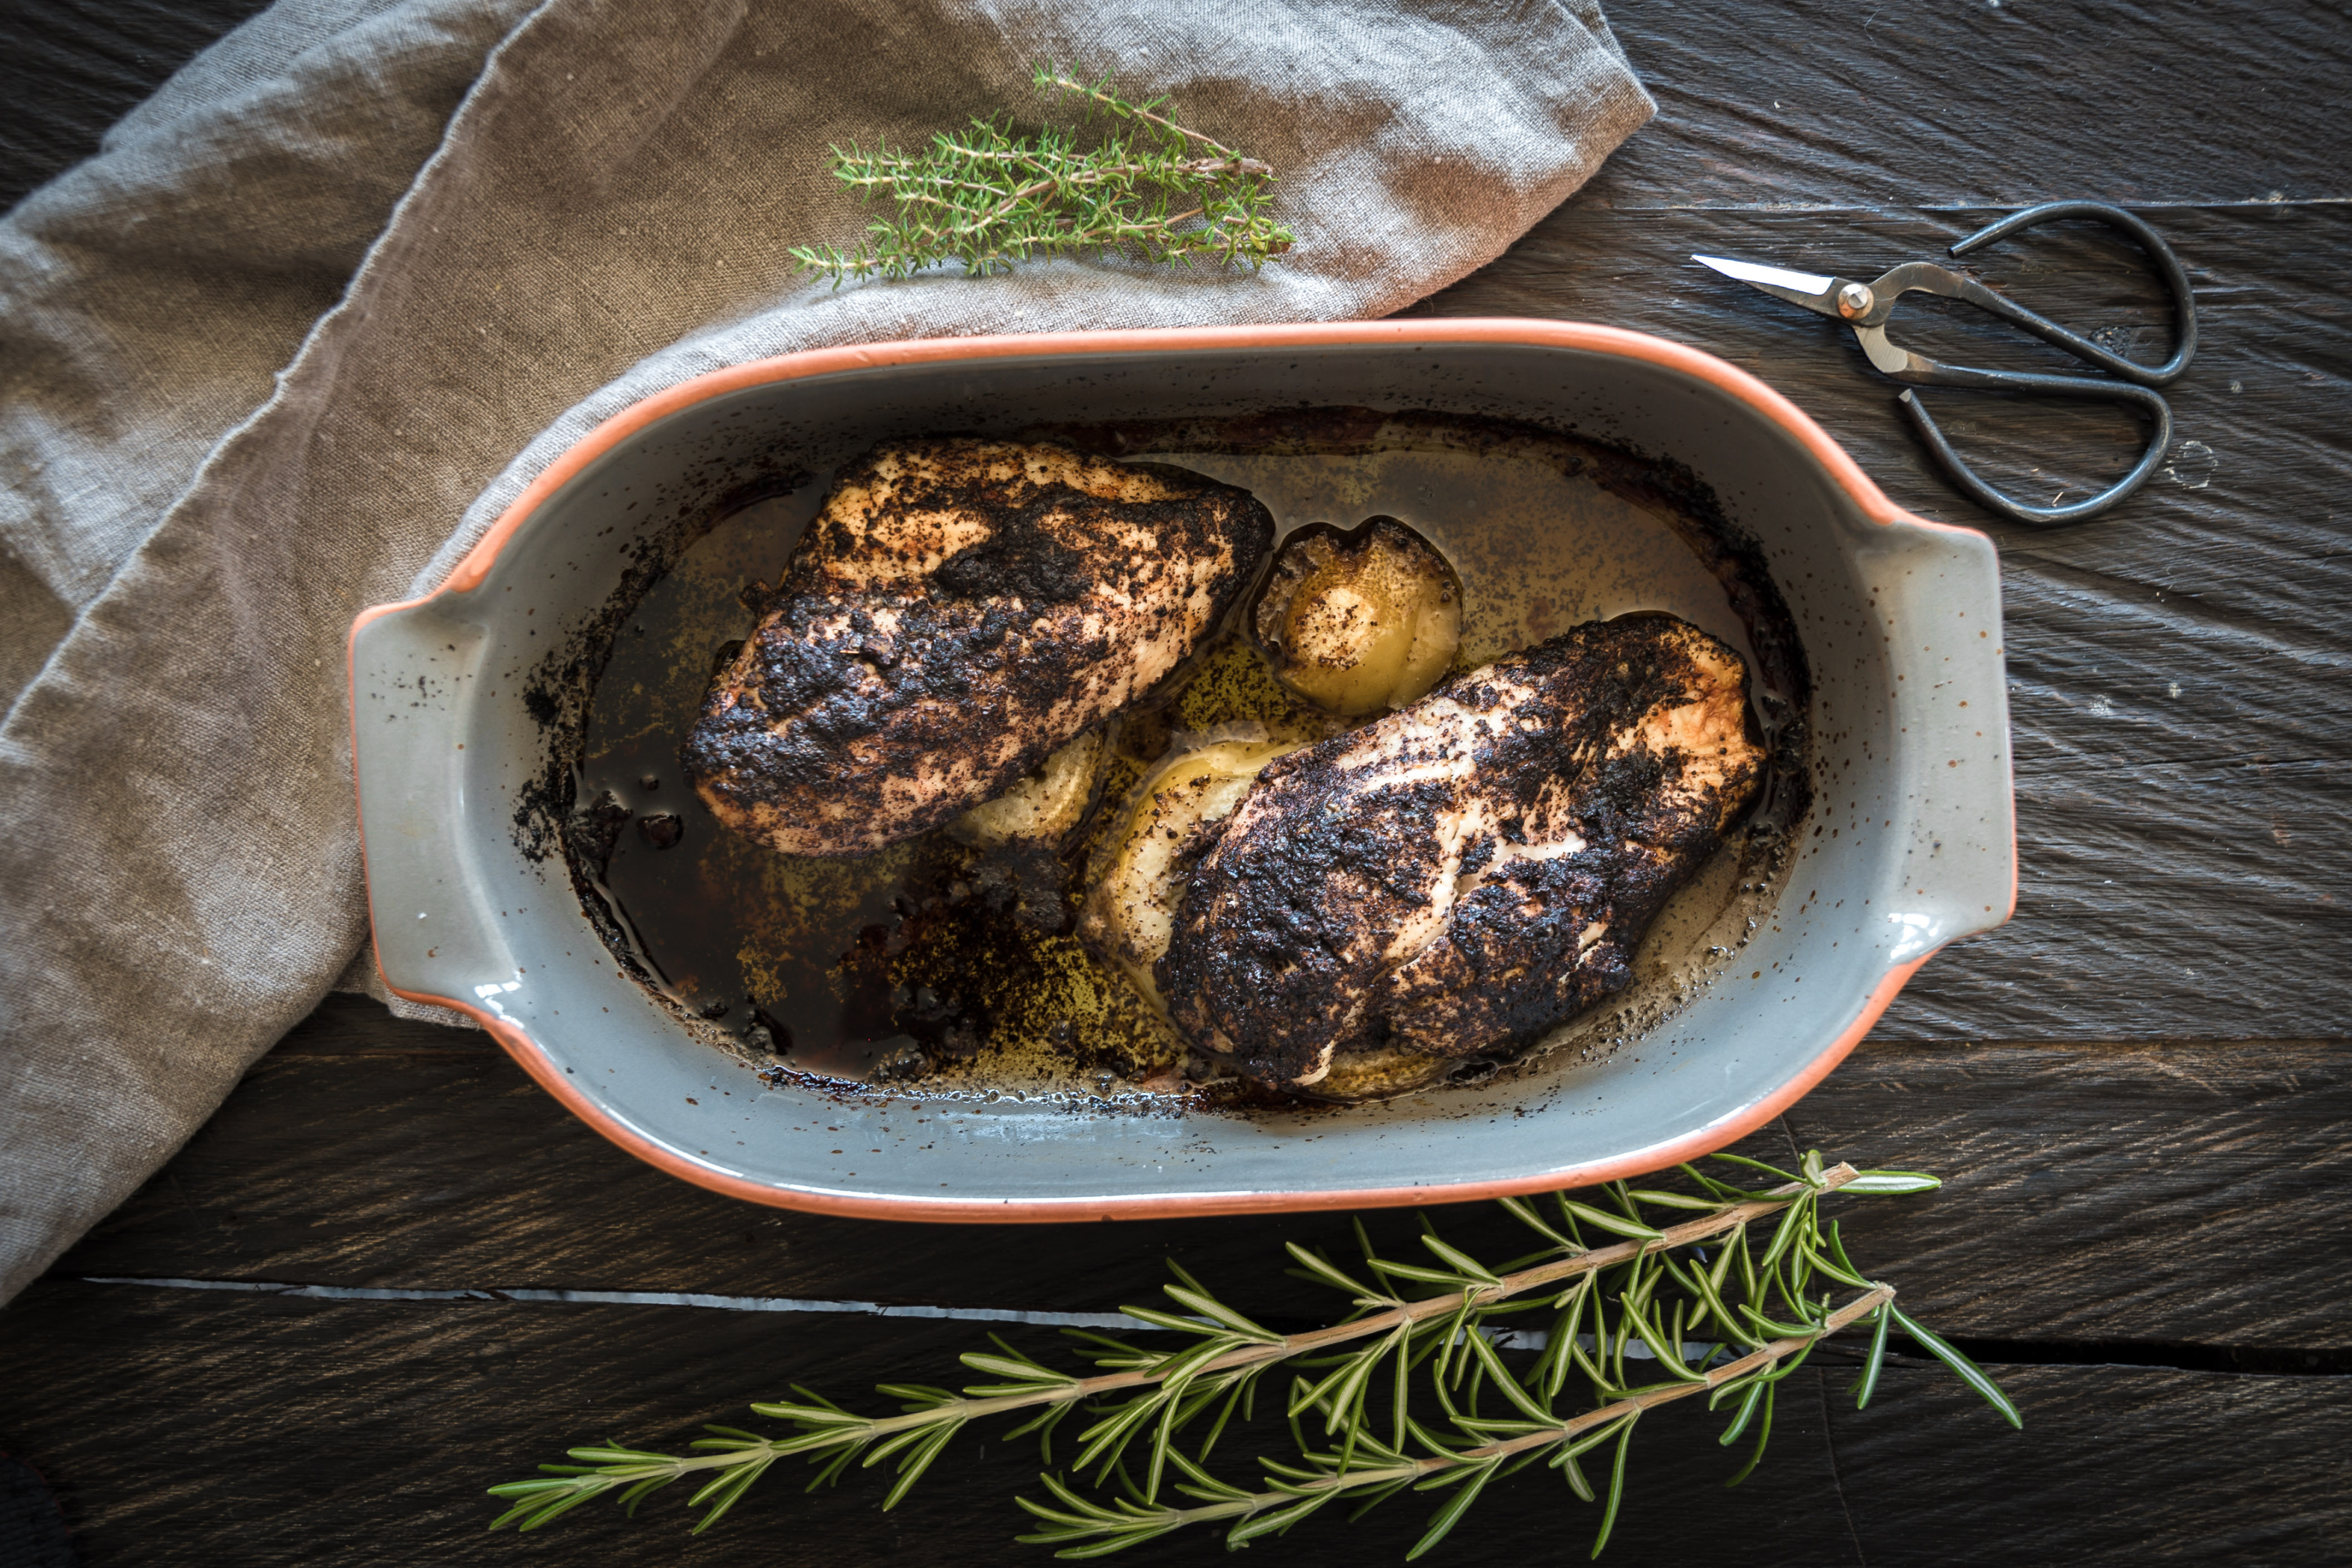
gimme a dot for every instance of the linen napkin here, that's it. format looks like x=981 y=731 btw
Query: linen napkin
x=326 y=304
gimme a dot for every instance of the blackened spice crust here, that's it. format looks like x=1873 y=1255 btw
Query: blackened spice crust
x=960 y=610
x=1473 y=870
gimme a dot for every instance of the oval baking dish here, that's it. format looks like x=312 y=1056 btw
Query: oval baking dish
x=1908 y=844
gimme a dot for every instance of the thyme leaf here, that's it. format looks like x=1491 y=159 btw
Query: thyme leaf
x=989 y=196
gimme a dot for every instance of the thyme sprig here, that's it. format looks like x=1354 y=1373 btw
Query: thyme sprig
x=987 y=196
x=1642 y=1298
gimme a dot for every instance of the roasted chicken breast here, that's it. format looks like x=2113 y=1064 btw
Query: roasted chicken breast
x=959 y=611
x=1472 y=870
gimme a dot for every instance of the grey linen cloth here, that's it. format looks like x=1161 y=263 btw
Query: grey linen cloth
x=318 y=311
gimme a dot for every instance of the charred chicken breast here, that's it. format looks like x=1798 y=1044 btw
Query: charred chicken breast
x=1472 y=869
x=959 y=611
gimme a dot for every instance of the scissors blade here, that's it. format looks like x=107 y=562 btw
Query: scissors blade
x=1809 y=289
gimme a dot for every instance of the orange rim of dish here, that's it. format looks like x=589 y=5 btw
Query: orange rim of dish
x=1588 y=337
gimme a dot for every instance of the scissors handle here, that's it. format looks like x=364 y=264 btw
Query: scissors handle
x=2098 y=387
x=2176 y=279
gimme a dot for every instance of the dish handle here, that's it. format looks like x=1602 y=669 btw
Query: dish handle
x=1936 y=591
x=416 y=668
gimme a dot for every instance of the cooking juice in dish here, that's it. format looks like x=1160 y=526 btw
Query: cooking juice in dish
x=939 y=965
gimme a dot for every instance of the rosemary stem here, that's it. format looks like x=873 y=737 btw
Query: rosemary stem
x=1772 y=1311
x=988 y=198
x=1013 y=203
x=680 y=1465
x=1349 y=1480
x=1315 y=1340
x=1860 y=1307
x=1526 y=1280
x=963 y=1410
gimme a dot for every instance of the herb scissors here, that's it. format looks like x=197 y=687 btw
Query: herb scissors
x=1865 y=307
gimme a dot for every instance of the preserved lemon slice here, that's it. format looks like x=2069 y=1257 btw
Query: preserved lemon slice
x=1043 y=807
x=1363 y=621
x=1131 y=914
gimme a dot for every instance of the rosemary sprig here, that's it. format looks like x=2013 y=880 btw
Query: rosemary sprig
x=987 y=197
x=1637 y=1299
x=1300 y=1493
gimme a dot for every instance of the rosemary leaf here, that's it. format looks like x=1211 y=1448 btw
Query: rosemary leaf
x=1604 y=1220
x=1672 y=1200
x=1757 y=1165
x=1525 y=1213
x=1766 y=1386
x=1616 y=1485
x=1891 y=1183
x=1881 y=1322
x=1970 y=1372
x=1317 y=1267
x=1751 y=1392
x=1642 y=1293
x=1444 y=1520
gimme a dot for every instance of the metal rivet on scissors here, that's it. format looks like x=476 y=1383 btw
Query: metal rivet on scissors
x=1866 y=306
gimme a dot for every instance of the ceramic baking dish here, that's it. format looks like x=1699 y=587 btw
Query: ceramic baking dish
x=1908 y=845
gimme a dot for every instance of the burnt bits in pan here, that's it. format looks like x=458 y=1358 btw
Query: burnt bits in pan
x=952 y=962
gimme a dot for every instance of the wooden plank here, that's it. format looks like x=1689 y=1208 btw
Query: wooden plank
x=2139 y=1198
x=272 y=1431
x=2014 y=102
x=73 y=68
x=2153 y=1198
x=2181 y=764
x=2114 y=1466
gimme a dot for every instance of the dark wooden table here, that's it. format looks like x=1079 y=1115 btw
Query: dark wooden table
x=293 y=1345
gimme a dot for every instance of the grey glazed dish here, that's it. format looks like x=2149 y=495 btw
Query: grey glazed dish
x=1908 y=844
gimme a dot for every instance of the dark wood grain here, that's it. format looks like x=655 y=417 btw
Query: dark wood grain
x=1818 y=102
x=2115 y=1466
x=2139 y=1197
x=431 y=1402
x=301 y=1429
x=72 y=68
x=2149 y=1197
